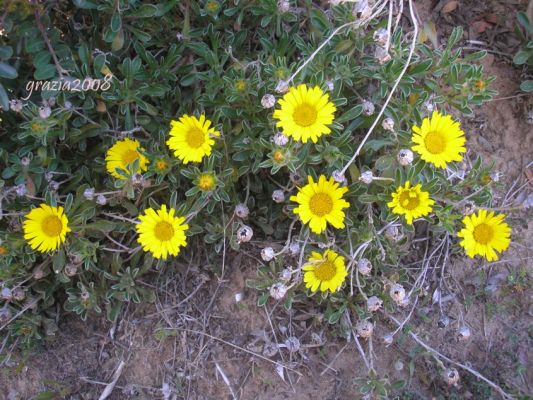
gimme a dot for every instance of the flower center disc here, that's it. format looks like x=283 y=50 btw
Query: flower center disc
x=52 y=226
x=435 y=142
x=205 y=182
x=483 y=233
x=320 y=204
x=161 y=165
x=163 y=231
x=129 y=156
x=325 y=271
x=409 y=200
x=304 y=115
x=195 y=138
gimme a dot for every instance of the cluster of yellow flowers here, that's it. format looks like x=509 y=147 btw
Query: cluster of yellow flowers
x=304 y=114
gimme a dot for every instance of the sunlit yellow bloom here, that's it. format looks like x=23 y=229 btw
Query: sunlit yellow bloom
x=190 y=138
x=305 y=113
x=123 y=153
x=325 y=271
x=206 y=182
x=161 y=232
x=439 y=140
x=484 y=233
x=45 y=228
x=161 y=165
x=411 y=202
x=321 y=203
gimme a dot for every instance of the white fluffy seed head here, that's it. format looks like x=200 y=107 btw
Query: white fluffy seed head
x=397 y=293
x=242 y=211
x=238 y=297
x=6 y=294
x=464 y=332
x=244 y=234
x=330 y=85
x=286 y=275
x=292 y=344
x=280 y=139
x=381 y=55
x=16 y=105
x=25 y=161
x=451 y=376
x=338 y=176
x=364 y=328
x=278 y=290
x=368 y=108
x=89 y=193
x=388 y=124
x=282 y=86
x=21 y=190
x=428 y=106
x=101 y=200
x=268 y=254
x=388 y=339
x=268 y=100
x=393 y=233
x=374 y=303
x=405 y=157
x=367 y=177
x=294 y=248
x=278 y=196
x=284 y=6
x=45 y=111
x=364 y=266
x=381 y=36
x=19 y=294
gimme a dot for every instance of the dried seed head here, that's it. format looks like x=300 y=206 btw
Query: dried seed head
x=388 y=124
x=393 y=233
x=374 y=303
x=529 y=117
x=21 y=190
x=282 y=86
x=101 y=200
x=25 y=161
x=295 y=178
x=268 y=101
x=16 y=105
x=364 y=266
x=278 y=290
x=68 y=105
x=294 y=248
x=388 y=339
x=338 y=176
x=283 y=6
x=268 y=253
x=270 y=349
x=53 y=185
x=286 y=275
x=368 y=108
x=292 y=344
x=280 y=139
x=398 y=365
x=19 y=294
x=361 y=9
x=468 y=207
x=451 y=376
x=428 y=106
x=381 y=55
x=495 y=176
x=71 y=269
x=397 y=293
x=381 y=36
x=463 y=333
x=6 y=294
x=89 y=193
x=242 y=211
x=5 y=315
x=444 y=321
x=244 y=234
x=278 y=196
x=238 y=297
x=51 y=101
x=367 y=177
x=137 y=179
x=405 y=157
x=76 y=258
x=38 y=274
x=330 y=85
x=364 y=328
x=45 y=111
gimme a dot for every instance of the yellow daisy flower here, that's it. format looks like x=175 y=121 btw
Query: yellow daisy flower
x=321 y=202
x=206 y=182
x=325 y=271
x=45 y=228
x=411 y=202
x=161 y=232
x=123 y=153
x=305 y=113
x=191 y=138
x=484 y=234
x=439 y=140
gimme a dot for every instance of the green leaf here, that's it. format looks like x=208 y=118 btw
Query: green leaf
x=524 y=21
x=351 y=114
x=5 y=52
x=144 y=11
x=7 y=71
x=45 y=72
x=521 y=57
x=527 y=86
x=85 y=4
x=116 y=22
x=4 y=99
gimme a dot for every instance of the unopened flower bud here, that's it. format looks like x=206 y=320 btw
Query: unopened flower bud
x=282 y=86
x=283 y=6
x=278 y=291
x=464 y=333
x=242 y=211
x=268 y=101
x=338 y=176
x=268 y=254
x=280 y=139
x=16 y=105
x=101 y=200
x=405 y=157
x=368 y=108
x=89 y=193
x=381 y=36
x=388 y=124
x=364 y=266
x=19 y=294
x=244 y=234
x=292 y=344
x=397 y=292
x=451 y=376
x=294 y=248
x=374 y=303
x=6 y=294
x=278 y=196
x=45 y=111
x=21 y=190
x=364 y=328
x=367 y=177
